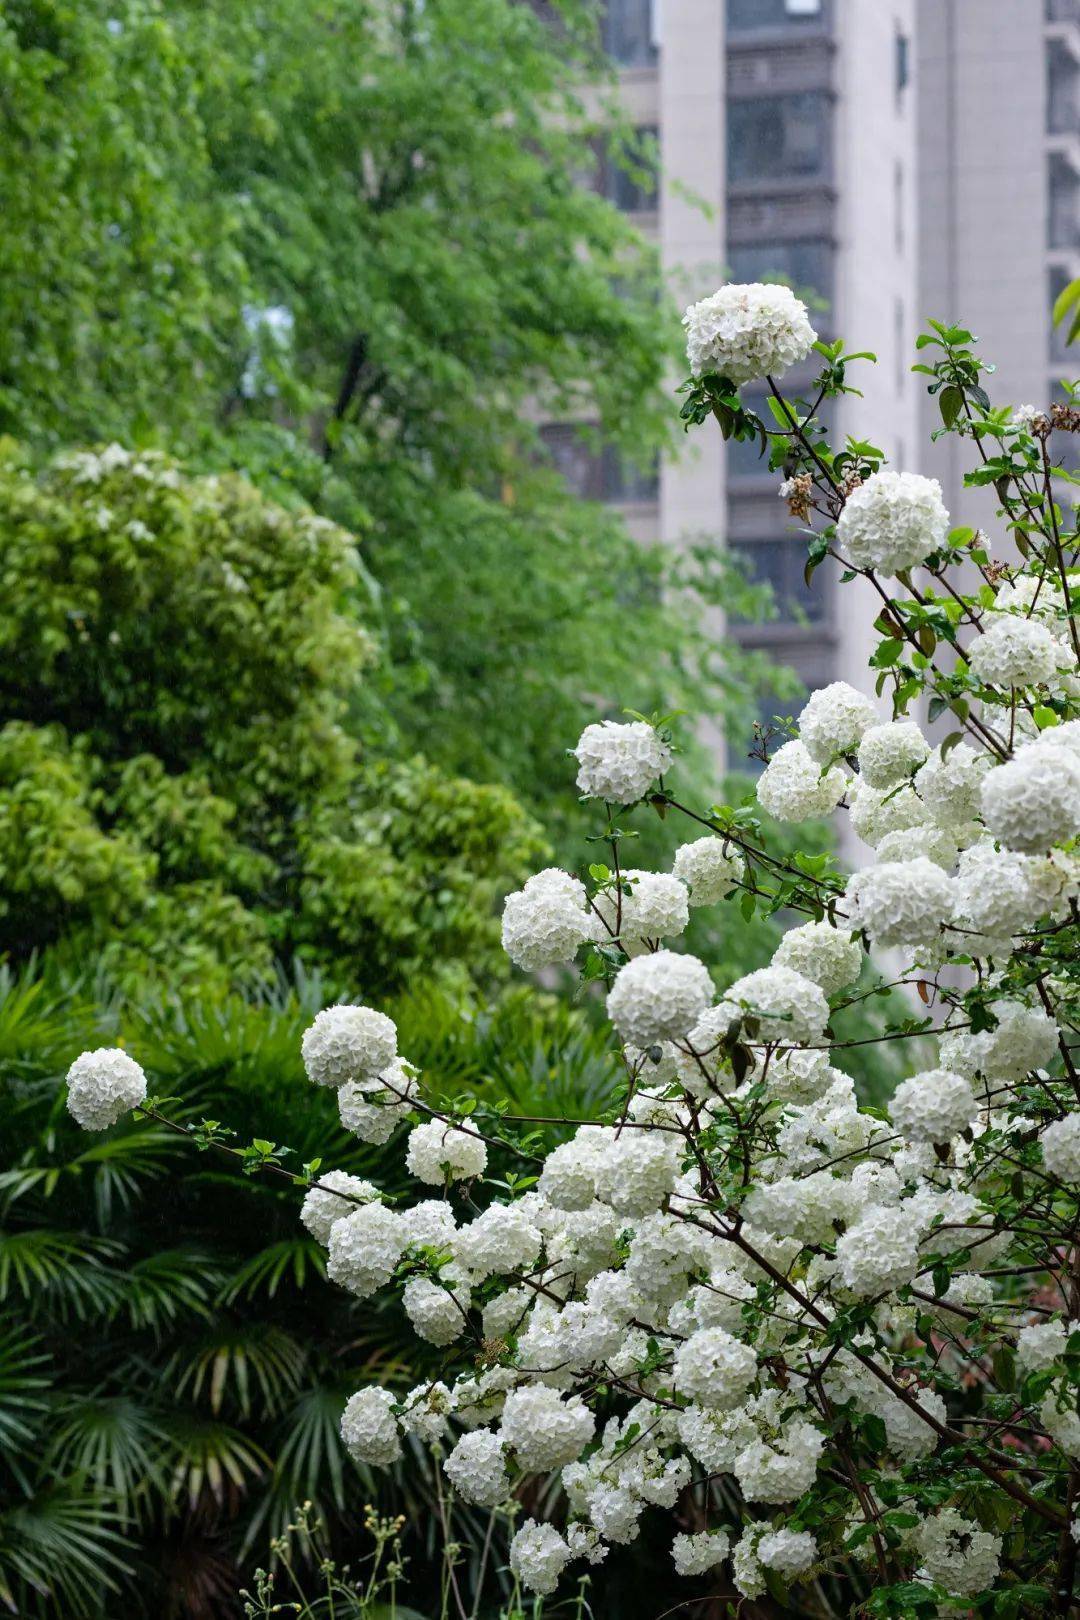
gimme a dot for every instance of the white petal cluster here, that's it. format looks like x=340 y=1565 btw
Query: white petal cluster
x=789 y=1552
x=890 y=753
x=437 y=1153
x=545 y=923
x=750 y=330
x=824 y=954
x=834 y=720
x=900 y=902
x=1039 y=1346
x=323 y=1203
x=476 y=1468
x=656 y=907
x=620 y=762
x=880 y=1252
x=543 y=1428
x=1024 y=1039
x=877 y=814
x=933 y=1106
x=784 y=1005
x=957 y=1554
x=696 y=1555
x=364 y=1249
x=538 y=1556
x=437 y=1313
x=715 y=1369
x=1060 y=1143
x=1015 y=651
x=103 y=1086
x=659 y=997
x=949 y=785
x=1032 y=802
x=893 y=522
x=709 y=867
x=501 y=1240
x=348 y=1043
x=369 y=1428
x=793 y=787
x=373 y=1108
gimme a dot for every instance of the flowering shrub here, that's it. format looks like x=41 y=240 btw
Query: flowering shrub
x=739 y=1286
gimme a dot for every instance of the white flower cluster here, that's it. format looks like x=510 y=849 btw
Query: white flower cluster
x=747 y=331
x=893 y=522
x=103 y=1086
x=620 y=763
x=547 y=921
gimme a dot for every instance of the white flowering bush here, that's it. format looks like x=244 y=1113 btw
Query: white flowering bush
x=822 y=1339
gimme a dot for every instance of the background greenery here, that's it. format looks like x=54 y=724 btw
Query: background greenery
x=298 y=620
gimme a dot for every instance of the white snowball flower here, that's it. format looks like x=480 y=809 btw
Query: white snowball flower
x=538 y=1556
x=936 y=843
x=709 y=868
x=1025 y=1038
x=436 y=1151
x=780 y=1472
x=908 y=1436
x=323 y=1203
x=995 y=894
x=1060 y=1418
x=1060 y=1143
x=878 y=813
x=618 y=762
x=437 y=1314
x=372 y=1109
x=1038 y=1347
x=425 y=1410
x=950 y=786
x=637 y=1170
x=747 y=330
x=900 y=902
x=476 y=1468
x=1015 y=651
x=568 y=1179
x=933 y=1106
x=890 y=753
x=544 y=1430
x=714 y=1369
x=880 y=1252
x=696 y=1555
x=789 y=1552
x=957 y=1554
x=364 y=1249
x=348 y=1043
x=369 y=1428
x=821 y=953
x=429 y=1224
x=659 y=997
x=833 y=721
x=501 y=1240
x=786 y=1005
x=792 y=787
x=657 y=907
x=893 y=521
x=1032 y=802
x=545 y=923
x=103 y=1086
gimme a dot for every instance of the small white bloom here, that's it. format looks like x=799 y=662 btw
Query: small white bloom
x=323 y=1203
x=747 y=331
x=785 y=1005
x=696 y=1555
x=544 y=1430
x=476 y=1468
x=933 y=1106
x=348 y=1043
x=900 y=902
x=437 y=1152
x=618 y=762
x=659 y=997
x=893 y=521
x=822 y=953
x=369 y=1428
x=715 y=1369
x=1060 y=1143
x=793 y=787
x=538 y=1556
x=709 y=867
x=1015 y=651
x=1032 y=801
x=103 y=1086
x=546 y=922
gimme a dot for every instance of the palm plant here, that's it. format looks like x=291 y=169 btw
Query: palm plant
x=173 y=1363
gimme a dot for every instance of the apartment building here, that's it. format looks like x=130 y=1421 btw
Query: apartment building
x=894 y=159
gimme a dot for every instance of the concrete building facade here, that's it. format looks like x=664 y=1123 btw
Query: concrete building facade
x=898 y=159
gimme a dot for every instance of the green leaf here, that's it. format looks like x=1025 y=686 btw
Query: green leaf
x=950 y=403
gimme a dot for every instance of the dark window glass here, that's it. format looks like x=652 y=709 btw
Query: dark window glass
x=805 y=262
x=902 y=60
x=626 y=28
x=781 y=563
x=623 y=480
x=1062 y=104
x=747 y=16
x=779 y=137
x=631 y=192
x=573 y=458
x=1063 y=225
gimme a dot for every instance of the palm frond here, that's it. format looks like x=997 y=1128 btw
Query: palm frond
x=231 y=1358
x=208 y=1457
x=59 y=1272
x=117 y=1443
x=164 y=1288
x=296 y=1260
x=24 y=1383
x=58 y=1554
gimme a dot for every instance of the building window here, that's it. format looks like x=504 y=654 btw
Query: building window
x=806 y=262
x=628 y=31
x=748 y=16
x=623 y=480
x=901 y=63
x=899 y=345
x=780 y=563
x=1062 y=102
x=779 y=137
x=898 y=206
x=595 y=472
x=630 y=182
x=1063 y=224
